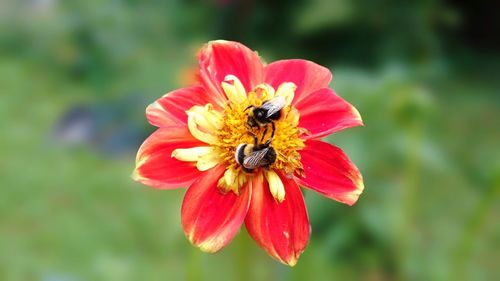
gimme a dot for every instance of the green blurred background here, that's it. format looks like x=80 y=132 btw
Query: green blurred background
x=75 y=77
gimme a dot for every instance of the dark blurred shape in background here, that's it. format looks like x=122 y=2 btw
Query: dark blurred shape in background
x=109 y=127
x=423 y=74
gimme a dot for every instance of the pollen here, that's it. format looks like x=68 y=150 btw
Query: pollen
x=226 y=129
x=235 y=131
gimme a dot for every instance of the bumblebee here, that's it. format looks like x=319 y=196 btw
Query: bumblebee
x=252 y=156
x=267 y=113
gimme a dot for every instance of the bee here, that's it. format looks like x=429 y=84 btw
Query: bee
x=267 y=113
x=252 y=156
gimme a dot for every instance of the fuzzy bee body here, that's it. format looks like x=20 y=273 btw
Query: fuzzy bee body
x=252 y=156
x=267 y=113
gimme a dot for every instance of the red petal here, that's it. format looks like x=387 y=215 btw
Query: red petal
x=211 y=218
x=155 y=166
x=220 y=58
x=307 y=76
x=282 y=229
x=328 y=171
x=170 y=110
x=323 y=112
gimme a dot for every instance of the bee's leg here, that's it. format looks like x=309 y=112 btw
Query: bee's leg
x=264 y=134
x=249 y=128
x=250 y=125
x=255 y=140
x=268 y=143
x=274 y=129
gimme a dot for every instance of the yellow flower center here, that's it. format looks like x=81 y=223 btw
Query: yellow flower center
x=225 y=130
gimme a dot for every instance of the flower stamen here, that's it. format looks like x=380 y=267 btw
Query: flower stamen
x=227 y=129
x=275 y=185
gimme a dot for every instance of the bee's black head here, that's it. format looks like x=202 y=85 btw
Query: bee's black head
x=260 y=115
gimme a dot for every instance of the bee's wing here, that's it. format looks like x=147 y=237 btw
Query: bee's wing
x=255 y=159
x=274 y=105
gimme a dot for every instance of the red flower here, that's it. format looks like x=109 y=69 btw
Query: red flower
x=201 y=127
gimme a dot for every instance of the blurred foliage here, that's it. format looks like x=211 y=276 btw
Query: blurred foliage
x=75 y=77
